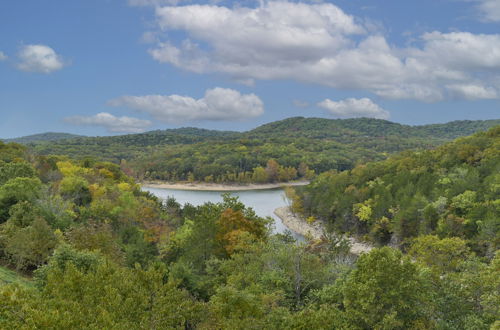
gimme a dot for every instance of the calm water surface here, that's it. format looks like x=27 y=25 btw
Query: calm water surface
x=264 y=202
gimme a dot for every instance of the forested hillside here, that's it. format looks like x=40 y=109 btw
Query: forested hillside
x=43 y=137
x=452 y=191
x=104 y=255
x=297 y=148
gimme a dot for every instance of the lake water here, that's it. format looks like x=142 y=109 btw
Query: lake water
x=264 y=202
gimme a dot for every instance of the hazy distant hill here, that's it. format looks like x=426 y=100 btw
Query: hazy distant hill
x=43 y=137
x=335 y=128
x=185 y=135
x=316 y=128
x=210 y=155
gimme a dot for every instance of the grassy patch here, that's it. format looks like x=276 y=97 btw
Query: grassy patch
x=8 y=276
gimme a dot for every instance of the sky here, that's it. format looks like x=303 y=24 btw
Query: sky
x=106 y=67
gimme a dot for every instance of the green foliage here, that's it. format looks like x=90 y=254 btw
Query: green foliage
x=107 y=297
x=301 y=146
x=76 y=189
x=15 y=169
x=106 y=255
x=442 y=255
x=11 y=152
x=64 y=255
x=387 y=291
x=446 y=192
x=43 y=137
x=16 y=190
x=31 y=246
x=8 y=276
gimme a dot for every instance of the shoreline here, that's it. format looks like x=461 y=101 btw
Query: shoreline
x=201 y=186
x=315 y=230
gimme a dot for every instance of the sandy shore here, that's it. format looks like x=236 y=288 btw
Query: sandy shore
x=314 y=230
x=219 y=187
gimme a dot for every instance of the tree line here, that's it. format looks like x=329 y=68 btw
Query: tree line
x=216 y=156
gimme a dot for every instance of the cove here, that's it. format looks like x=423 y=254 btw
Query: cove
x=263 y=202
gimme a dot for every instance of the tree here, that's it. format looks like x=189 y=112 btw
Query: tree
x=107 y=297
x=442 y=255
x=15 y=169
x=31 y=246
x=17 y=190
x=76 y=189
x=387 y=290
x=259 y=175
x=231 y=227
x=272 y=170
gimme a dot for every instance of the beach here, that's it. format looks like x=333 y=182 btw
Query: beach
x=202 y=186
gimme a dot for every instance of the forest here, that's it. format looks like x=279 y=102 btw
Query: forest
x=291 y=149
x=451 y=191
x=91 y=250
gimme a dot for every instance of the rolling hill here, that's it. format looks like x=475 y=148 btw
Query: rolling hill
x=298 y=144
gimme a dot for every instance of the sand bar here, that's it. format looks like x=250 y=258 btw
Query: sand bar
x=201 y=186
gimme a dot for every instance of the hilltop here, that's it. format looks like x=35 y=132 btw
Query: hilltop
x=297 y=147
x=42 y=137
x=318 y=128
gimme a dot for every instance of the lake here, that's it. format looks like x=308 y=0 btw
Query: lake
x=264 y=202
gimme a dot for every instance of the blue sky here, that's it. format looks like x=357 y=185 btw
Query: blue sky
x=99 y=67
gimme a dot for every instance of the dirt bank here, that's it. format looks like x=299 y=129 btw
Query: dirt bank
x=314 y=230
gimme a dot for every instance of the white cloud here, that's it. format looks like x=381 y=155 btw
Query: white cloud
x=490 y=10
x=217 y=104
x=319 y=43
x=39 y=58
x=3 y=57
x=283 y=31
x=472 y=92
x=350 y=108
x=112 y=123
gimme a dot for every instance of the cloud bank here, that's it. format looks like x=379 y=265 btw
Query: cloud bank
x=218 y=104
x=3 y=57
x=111 y=123
x=39 y=58
x=351 y=108
x=321 y=44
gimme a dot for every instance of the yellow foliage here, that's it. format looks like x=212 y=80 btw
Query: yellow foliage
x=124 y=186
x=97 y=191
x=67 y=168
x=310 y=220
x=59 y=235
x=106 y=173
x=363 y=211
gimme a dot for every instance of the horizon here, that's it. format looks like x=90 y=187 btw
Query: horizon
x=235 y=131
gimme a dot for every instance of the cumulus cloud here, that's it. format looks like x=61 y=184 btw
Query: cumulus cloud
x=112 y=123
x=472 y=92
x=319 y=43
x=3 y=57
x=39 y=58
x=217 y=104
x=351 y=108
